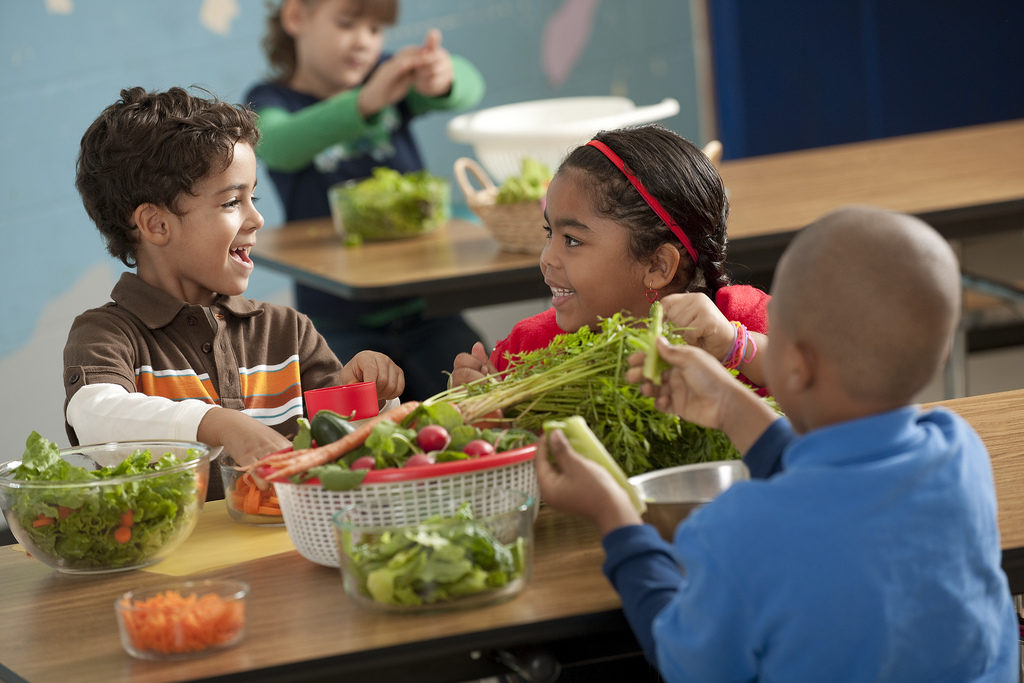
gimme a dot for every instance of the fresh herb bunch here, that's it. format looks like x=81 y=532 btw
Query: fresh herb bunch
x=583 y=373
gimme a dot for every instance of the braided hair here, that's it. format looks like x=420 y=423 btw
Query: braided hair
x=680 y=176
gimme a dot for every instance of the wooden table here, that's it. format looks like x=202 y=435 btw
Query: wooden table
x=965 y=181
x=457 y=266
x=301 y=625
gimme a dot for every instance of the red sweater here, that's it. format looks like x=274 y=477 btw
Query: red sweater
x=744 y=303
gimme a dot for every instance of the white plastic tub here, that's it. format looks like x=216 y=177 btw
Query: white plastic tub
x=546 y=130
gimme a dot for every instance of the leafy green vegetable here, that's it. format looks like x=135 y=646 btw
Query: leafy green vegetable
x=77 y=524
x=391 y=205
x=436 y=561
x=584 y=373
x=529 y=186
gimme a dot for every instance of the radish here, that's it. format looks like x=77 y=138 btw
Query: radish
x=433 y=438
x=418 y=460
x=478 y=448
x=367 y=462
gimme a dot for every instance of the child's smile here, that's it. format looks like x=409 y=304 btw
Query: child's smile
x=205 y=251
x=587 y=262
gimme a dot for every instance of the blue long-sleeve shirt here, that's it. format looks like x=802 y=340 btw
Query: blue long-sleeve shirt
x=873 y=555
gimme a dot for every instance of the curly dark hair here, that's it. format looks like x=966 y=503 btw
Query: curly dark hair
x=150 y=147
x=280 y=47
x=682 y=178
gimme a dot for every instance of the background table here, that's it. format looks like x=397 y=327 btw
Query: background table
x=965 y=182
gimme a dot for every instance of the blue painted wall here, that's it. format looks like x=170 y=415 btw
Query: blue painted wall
x=63 y=61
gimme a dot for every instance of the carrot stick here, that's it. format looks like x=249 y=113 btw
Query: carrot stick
x=302 y=461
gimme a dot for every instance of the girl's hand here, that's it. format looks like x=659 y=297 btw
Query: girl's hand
x=703 y=324
x=371 y=366
x=390 y=82
x=471 y=366
x=578 y=486
x=435 y=74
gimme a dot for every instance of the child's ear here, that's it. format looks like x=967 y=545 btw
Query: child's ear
x=150 y=220
x=293 y=14
x=801 y=363
x=663 y=266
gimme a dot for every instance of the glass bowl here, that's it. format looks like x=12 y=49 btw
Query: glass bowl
x=389 y=205
x=111 y=507
x=245 y=502
x=478 y=552
x=181 y=620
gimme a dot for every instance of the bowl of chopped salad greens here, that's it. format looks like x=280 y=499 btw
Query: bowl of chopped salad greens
x=104 y=507
x=473 y=551
x=389 y=205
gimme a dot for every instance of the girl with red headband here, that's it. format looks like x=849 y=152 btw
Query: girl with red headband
x=634 y=216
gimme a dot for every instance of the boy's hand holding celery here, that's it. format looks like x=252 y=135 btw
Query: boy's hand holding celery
x=578 y=476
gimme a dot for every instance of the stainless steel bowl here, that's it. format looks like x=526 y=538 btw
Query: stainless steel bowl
x=673 y=493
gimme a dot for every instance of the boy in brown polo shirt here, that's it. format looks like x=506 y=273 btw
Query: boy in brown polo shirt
x=179 y=353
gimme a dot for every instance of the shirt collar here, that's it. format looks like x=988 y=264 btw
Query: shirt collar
x=856 y=441
x=156 y=308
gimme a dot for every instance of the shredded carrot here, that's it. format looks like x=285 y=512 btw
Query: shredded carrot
x=63 y=511
x=127 y=519
x=123 y=534
x=170 y=623
x=284 y=465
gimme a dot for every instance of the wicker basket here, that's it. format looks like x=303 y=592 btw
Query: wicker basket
x=517 y=227
x=417 y=493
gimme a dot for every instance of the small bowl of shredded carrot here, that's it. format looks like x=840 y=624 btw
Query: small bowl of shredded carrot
x=182 y=620
x=246 y=502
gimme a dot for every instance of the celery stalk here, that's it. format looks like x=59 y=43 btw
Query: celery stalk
x=653 y=363
x=583 y=441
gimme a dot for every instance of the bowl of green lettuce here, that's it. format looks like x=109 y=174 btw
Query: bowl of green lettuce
x=104 y=507
x=444 y=554
x=389 y=205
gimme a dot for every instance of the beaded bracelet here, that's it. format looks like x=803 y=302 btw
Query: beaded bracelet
x=741 y=344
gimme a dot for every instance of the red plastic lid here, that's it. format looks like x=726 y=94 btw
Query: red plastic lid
x=443 y=469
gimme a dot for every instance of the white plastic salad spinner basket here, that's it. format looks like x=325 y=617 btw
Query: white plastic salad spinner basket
x=546 y=130
x=423 y=491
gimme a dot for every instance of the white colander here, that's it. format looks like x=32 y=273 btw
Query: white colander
x=546 y=130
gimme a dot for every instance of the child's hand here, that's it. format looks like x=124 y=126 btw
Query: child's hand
x=471 y=366
x=698 y=389
x=703 y=324
x=244 y=438
x=578 y=486
x=390 y=82
x=434 y=75
x=371 y=366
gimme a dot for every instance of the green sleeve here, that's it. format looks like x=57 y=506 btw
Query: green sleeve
x=290 y=140
x=467 y=90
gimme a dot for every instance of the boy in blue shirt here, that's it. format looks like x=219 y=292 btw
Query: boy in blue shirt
x=866 y=548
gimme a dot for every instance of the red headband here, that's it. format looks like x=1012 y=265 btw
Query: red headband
x=648 y=197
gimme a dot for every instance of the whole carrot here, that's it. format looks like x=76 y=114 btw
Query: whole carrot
x=303 y=461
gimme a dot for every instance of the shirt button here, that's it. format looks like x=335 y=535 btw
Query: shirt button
x=207 y=347
x=73 y=379
x=191 y=320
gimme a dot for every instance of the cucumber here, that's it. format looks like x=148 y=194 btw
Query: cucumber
x=328 y=426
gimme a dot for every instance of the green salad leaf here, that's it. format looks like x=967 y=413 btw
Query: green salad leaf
x=391 y=205
x=77 y=524
x=440 y=560
x=529 y=186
